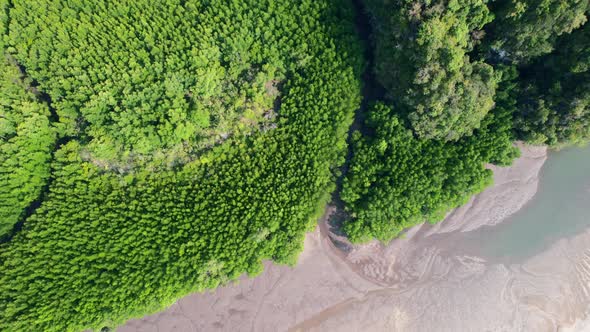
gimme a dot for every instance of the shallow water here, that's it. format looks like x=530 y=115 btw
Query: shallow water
x=560 y=209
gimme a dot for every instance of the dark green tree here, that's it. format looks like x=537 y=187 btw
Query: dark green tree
x=397 y=180
x=421 y=59
x=525 y=29
x=554 y=105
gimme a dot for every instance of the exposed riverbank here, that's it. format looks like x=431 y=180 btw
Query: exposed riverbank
x=422 y=282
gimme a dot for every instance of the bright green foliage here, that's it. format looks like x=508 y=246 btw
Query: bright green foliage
x=421 y=60
x=26 y=142
x=396 y=180
x=554 y=106
x=524 y=29
x=106 y=246
x=152 y=79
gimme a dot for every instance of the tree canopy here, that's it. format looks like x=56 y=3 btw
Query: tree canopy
x=149 y=149
x=397 y=180
x=27 y=139
x=525 y=29
x=554 y=106
x=422 y=60
x=139 y=209
x=140 y=79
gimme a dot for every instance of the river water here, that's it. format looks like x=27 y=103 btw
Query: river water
x=560 y=209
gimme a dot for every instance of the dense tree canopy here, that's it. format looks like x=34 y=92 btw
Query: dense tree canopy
x=118 y=236
x=161 y=78
x=554 y=106
x=525 y=29
x=150 y=149
x=421 y=59
x=26 y=141
x=397 y=180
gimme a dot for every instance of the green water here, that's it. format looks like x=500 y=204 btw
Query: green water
x=560 y=209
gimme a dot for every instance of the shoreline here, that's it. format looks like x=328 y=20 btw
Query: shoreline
x=335 y=282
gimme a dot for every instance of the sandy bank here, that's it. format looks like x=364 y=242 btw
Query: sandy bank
x=420 y=283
